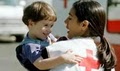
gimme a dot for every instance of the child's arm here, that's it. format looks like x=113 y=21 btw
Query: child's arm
x=54 y=61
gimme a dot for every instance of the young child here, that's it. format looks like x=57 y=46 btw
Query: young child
x=39 y=18
x=86 y=21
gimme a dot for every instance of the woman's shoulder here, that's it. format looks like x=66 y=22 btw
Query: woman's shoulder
x=73 y=43
x=83 y=41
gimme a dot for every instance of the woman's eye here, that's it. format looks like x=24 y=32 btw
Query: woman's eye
x=69 y=18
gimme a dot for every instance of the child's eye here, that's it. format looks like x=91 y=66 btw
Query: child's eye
x=46 y=25
x=51 y=25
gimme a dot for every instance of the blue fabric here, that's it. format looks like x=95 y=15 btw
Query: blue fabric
x=32 y=49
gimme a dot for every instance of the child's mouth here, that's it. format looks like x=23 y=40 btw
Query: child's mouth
x=46 y=34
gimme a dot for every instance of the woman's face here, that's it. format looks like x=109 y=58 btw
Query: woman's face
x=73 y=25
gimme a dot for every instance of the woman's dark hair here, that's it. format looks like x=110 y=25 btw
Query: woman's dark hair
x=38 y=11
x=93 y=12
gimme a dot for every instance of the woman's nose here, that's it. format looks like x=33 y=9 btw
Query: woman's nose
x=65 y=21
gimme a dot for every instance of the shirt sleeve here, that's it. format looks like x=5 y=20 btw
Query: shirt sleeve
x=32 y=51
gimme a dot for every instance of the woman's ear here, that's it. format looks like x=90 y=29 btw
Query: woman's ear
x=84 y=25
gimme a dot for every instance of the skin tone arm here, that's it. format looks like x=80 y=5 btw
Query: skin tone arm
x=52 y=62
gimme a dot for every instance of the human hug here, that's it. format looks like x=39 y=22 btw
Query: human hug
x=77 y=51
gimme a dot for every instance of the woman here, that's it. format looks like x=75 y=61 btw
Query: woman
x=85 y=22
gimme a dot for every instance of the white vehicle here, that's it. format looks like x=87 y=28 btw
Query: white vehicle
x=11 y=24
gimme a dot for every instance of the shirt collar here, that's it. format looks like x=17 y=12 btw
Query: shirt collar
x=36 y=41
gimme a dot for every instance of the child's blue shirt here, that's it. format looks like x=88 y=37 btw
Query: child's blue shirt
x=32 y=48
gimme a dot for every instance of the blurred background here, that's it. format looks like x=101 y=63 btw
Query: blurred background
x=13 y=30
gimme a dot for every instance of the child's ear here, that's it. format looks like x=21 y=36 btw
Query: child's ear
x=85 y=24
x=30 y=22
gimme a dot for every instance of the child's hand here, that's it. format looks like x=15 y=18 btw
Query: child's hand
x=69 y=57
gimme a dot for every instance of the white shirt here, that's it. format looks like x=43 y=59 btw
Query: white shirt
x=85 y=47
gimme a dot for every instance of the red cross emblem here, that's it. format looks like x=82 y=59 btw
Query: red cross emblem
x=89 y=63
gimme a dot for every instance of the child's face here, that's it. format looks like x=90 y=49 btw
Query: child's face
x=40 y=29
x=72 y=24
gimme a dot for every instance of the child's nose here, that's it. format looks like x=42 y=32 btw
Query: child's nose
x=49 y=30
